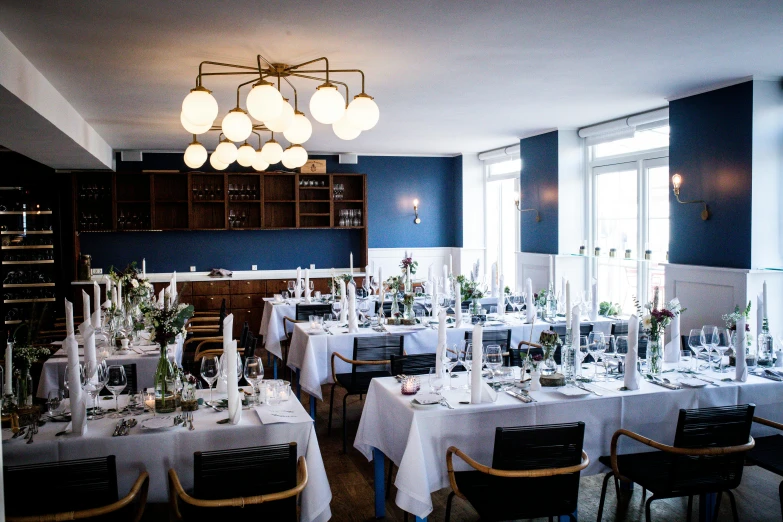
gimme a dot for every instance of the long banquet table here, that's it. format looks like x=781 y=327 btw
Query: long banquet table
x=311 y=353
x=157 y=451
x=416 y=439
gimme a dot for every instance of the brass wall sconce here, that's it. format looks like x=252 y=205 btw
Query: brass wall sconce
x=676 y=183
x=416 y=219
x=516 y=203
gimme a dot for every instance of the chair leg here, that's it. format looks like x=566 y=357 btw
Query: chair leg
x=733 y=506
x=647 y=515
x=690 y=507
x=331 y=407
x=717 y=504
x=603 y=495
x=448 y=507
x=345 y=424
x=388 y=480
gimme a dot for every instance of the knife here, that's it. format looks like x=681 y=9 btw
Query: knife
x=524 y=398
x=665 y=385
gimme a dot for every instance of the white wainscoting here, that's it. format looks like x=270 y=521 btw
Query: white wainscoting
x=534 y=266
x=389 y=259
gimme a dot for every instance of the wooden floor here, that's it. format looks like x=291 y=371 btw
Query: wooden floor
x=351 y=479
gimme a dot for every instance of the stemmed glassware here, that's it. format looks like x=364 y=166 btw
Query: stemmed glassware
x=95 y=378
x=466 y=359
x=254 y=373
x=374 y=284
x=54 y=400
x=609 y=353
x=291 y=288
x=337 y=306
x=695 y=343
x=493 y=358
x=428 y=304
x=116 y=382
x=709 y=338
x=450 y=360
x=81 y=377
x=210 y=369
x=595 y=344
x=582 y=354
x=722 y=344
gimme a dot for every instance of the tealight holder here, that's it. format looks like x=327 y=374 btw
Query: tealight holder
x=410 y=385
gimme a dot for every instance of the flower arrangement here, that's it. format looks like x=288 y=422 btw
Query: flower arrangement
x=732 y=318
x=333 y=282
x=25 y=356
x=409 y=262
x=135 y=286
x=167 y=321
x=540 y=298
x=535 y=361
x=657 y=318
x=608 y=308
x=549 y=341
x=471 y=289
x=395 y=284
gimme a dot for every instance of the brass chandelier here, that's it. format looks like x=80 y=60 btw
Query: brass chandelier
x=266 y=104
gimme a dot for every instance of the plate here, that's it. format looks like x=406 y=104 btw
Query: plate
x=426 y=399
x=158 y=423
x=572 y=391
x=693 y=383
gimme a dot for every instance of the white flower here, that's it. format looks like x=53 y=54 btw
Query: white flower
x=134 y=283
x=647 y=322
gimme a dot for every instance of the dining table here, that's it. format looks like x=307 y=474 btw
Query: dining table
x=415 y=438
x=160 y=449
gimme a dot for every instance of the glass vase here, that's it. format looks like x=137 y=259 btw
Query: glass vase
x=395 y=307
x=24 y=388
x=165 y=377
x=408 y=313
x=654 y=356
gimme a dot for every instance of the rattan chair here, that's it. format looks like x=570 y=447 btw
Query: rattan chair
x=535 y=473
x=85 y=489
x=262 y=482
x=707 y=456
x=768 y=453
x=371 y=358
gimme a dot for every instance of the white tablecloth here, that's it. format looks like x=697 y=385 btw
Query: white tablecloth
x=53 y=371
x=312 y=353
x=272 y=325
x=158 y=451
x=416 y=440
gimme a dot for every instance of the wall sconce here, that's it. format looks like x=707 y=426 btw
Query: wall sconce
x=516 y=203
x=676 y=183
x=416 y=219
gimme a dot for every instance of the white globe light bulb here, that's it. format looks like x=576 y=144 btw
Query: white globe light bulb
x=344 y=129
x=246 y=155
x=195 y=155
x=264 y=102
x=288 y=160
x=282 y=122
x=298 y=155
x=363 y=112
x=300 y=130
x=216 y=163
x=200 y=107
x=237 y=125
x=272 y=152
x=327 y=104
x=226 y=152
x=191 y=127
x=258 y=163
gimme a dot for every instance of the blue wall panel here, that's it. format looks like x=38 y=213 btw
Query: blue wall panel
x=711 y=147
x=539 y=176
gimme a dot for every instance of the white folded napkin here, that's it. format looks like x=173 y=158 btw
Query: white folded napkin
x=458 y=304
x=96 y=303
x=759 y=313
x=86 y=308
x=353 y=322
x=530 y=307
x=68 y=318
x=77 y=396
x=88 y=336
x=344 y=303
x=475 y=369
x=180 y=341
x=234 y=400
x=502 y=298
x=307 y=291
x=445 y=279
x=487 y=394
x=671 y=352
x=173 y=286
x=429 y=273
x=576 y=319
x=594 y=308
x=740 y=352
x=632 y=377
x=494 y=287
x=441 y=349
x=435 y=302
x=298 y=288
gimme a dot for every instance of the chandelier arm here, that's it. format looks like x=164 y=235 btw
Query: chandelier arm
x=321 y=79
x=242 y=85
x=296 y=95
x=220 y=64
x=338 y=71
x=258 y=60
x=324 y=58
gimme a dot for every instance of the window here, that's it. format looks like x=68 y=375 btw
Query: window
x=502 y=217
x=629 y=180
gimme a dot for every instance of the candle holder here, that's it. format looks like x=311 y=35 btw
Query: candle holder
x=410 y=385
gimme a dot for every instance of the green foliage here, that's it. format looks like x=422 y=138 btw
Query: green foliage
x=608 y=308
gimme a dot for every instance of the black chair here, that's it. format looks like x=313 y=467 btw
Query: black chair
x=86 y=488
x=707 y=456
x=371 y=358
x=130 y=374
x=560 y=330
x=418 y=364
x=535 y=473
x=768 y=453
x=260 y=482
x=620 y=328
x=243 y=335
x=304 y=311
x=499 y=337
x=251 y=343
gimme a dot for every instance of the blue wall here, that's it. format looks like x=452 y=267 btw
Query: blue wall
x=711 y=147
x=539 y=176
x=393 y=182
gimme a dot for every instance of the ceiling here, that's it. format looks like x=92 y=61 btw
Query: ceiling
x=449 y=76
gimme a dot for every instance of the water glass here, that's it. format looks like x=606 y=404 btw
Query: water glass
x=210 y=369
x=494 y=358
x=54 y=402
x=695 y=339
x=685 y=360
x=436 y=381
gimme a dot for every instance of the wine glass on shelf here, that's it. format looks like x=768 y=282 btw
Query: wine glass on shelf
x=116 y=382
x=254 y=373
x=595 y=344
x=695 y=343
x=210 y=369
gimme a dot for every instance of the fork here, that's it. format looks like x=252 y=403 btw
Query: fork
x=444 y=402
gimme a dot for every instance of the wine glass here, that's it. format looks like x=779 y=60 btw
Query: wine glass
x=94 y=380
x=365 y=285
x=695 y=340
x=428 y=304
x=466 y=359
x=292 y=288
x=254 y=373
x=494 y=358
x=374 y=284
x=710 y=340
x=81 y=377
x=595 y=344
x=722 y=344
x=115 y=383
x=210 y=369
x=582 y=354
x=609 y=356
x=450 y=360
x=337 y=306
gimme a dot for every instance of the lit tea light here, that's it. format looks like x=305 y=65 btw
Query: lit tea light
x=410 y=385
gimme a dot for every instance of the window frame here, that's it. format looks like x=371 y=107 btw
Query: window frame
x=488 y=178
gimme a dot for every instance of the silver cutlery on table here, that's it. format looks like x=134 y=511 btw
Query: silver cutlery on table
x=444 y=402
x=521 y=396
x=660 y=382
x=585 y=388
x=32 y=430
x=20 y=432
x=707 y=380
